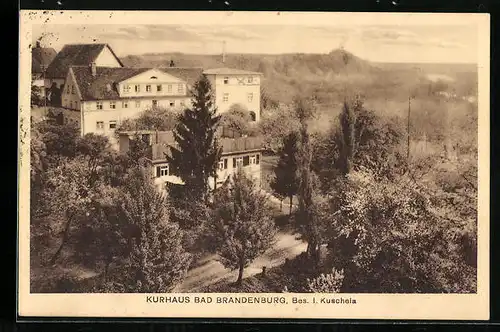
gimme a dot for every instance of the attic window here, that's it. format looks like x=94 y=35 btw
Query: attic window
x=153 y=77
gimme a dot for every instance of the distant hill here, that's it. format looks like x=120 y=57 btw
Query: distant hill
x=329 y=77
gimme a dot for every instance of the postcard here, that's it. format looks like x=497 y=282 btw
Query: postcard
x=253 y=165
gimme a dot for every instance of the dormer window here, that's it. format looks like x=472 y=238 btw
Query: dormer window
x=137 y=88
x=148 y=88
x=153 y=77
x=126 y=88
x=158 y=88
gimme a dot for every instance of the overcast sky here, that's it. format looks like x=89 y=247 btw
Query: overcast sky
x=437 y=44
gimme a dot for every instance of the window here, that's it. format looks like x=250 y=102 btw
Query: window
x=137 y=88
x=250 y=79
x=71 y=104
x=148 y=88
x=154 y=102
x=137 y=103
x=250 y=97
x=257 y=158
x=246 y=160
x=172 y=103
x=169 y=88
x=125 y=104
x=99 y=105
x=112 y=105
x=226 y=80
x=223 y=164
x=67 y=90
x=253 y=116
x=72 y=89
x=237 y=162
x=252 y=160
x=225 y=97
x=126 y=88
x=180 y=88
x=112 y=124
x=158 y=88
x=162 y=171
x=99 y=125
x=182 y=103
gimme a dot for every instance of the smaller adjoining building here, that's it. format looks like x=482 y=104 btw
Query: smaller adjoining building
x=41 y=58
x=241 y=152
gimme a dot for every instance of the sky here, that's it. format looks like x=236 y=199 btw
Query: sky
x=384 y=43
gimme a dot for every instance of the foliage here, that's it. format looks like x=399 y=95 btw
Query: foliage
x=285 y=182
x=157 y=261
x=275 y=125
x=241 y=228
x=36 y=96
x=359 y=139
x=196 y=153
x=236 y=119
x=308 y=216
x=160 y=119
x=60 y=140
x=399 y=237
x=326 y=283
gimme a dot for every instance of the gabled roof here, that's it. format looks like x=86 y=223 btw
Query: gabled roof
x=41 y=57
x=229 y=71
x=76 y=55
x=96 y=88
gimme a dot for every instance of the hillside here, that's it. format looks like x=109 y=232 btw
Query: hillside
x=329 y=77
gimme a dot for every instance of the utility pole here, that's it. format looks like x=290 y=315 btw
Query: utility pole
x=408 y=144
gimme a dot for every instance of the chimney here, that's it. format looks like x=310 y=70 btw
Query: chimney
x=93 y=69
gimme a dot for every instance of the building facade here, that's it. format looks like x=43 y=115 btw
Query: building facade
x=242 y=152
x=236 y=87
x=104 y=97
x=78 y=55
x=41 y=58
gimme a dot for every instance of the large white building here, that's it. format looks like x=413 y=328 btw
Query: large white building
x=99 y=93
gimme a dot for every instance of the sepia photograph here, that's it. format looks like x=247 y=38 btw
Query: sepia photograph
x=262 y=161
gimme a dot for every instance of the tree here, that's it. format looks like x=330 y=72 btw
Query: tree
x=196 y=154
x=60 y=140
x=36 y=96
x=276 y=124
x=402 y=237
x=285 y=182
x=152 y=119
x=236 y=119
x=242 y=228
x=347 y=136
x=157 y=260
x=308 y=215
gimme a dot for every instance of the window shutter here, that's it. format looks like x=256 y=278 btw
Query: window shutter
x=257 y=156
x=158 y=171
x=225 y=163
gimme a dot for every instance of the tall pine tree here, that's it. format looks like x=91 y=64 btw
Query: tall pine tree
x=197 y=153
x=285 y=182
x=308 y=216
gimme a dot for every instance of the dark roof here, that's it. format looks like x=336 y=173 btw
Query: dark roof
x=230 y=71
x=96 y=88
x=41 y=56
x=75 y=55
x=162 y=140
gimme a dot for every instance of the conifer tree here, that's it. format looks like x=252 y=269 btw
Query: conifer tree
x=285 y=182
x=196 y=154
x=308 y=216
x=242 y=228
x=347 y=139
x=157 y=260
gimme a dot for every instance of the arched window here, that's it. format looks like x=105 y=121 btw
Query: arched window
x=253 y=116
